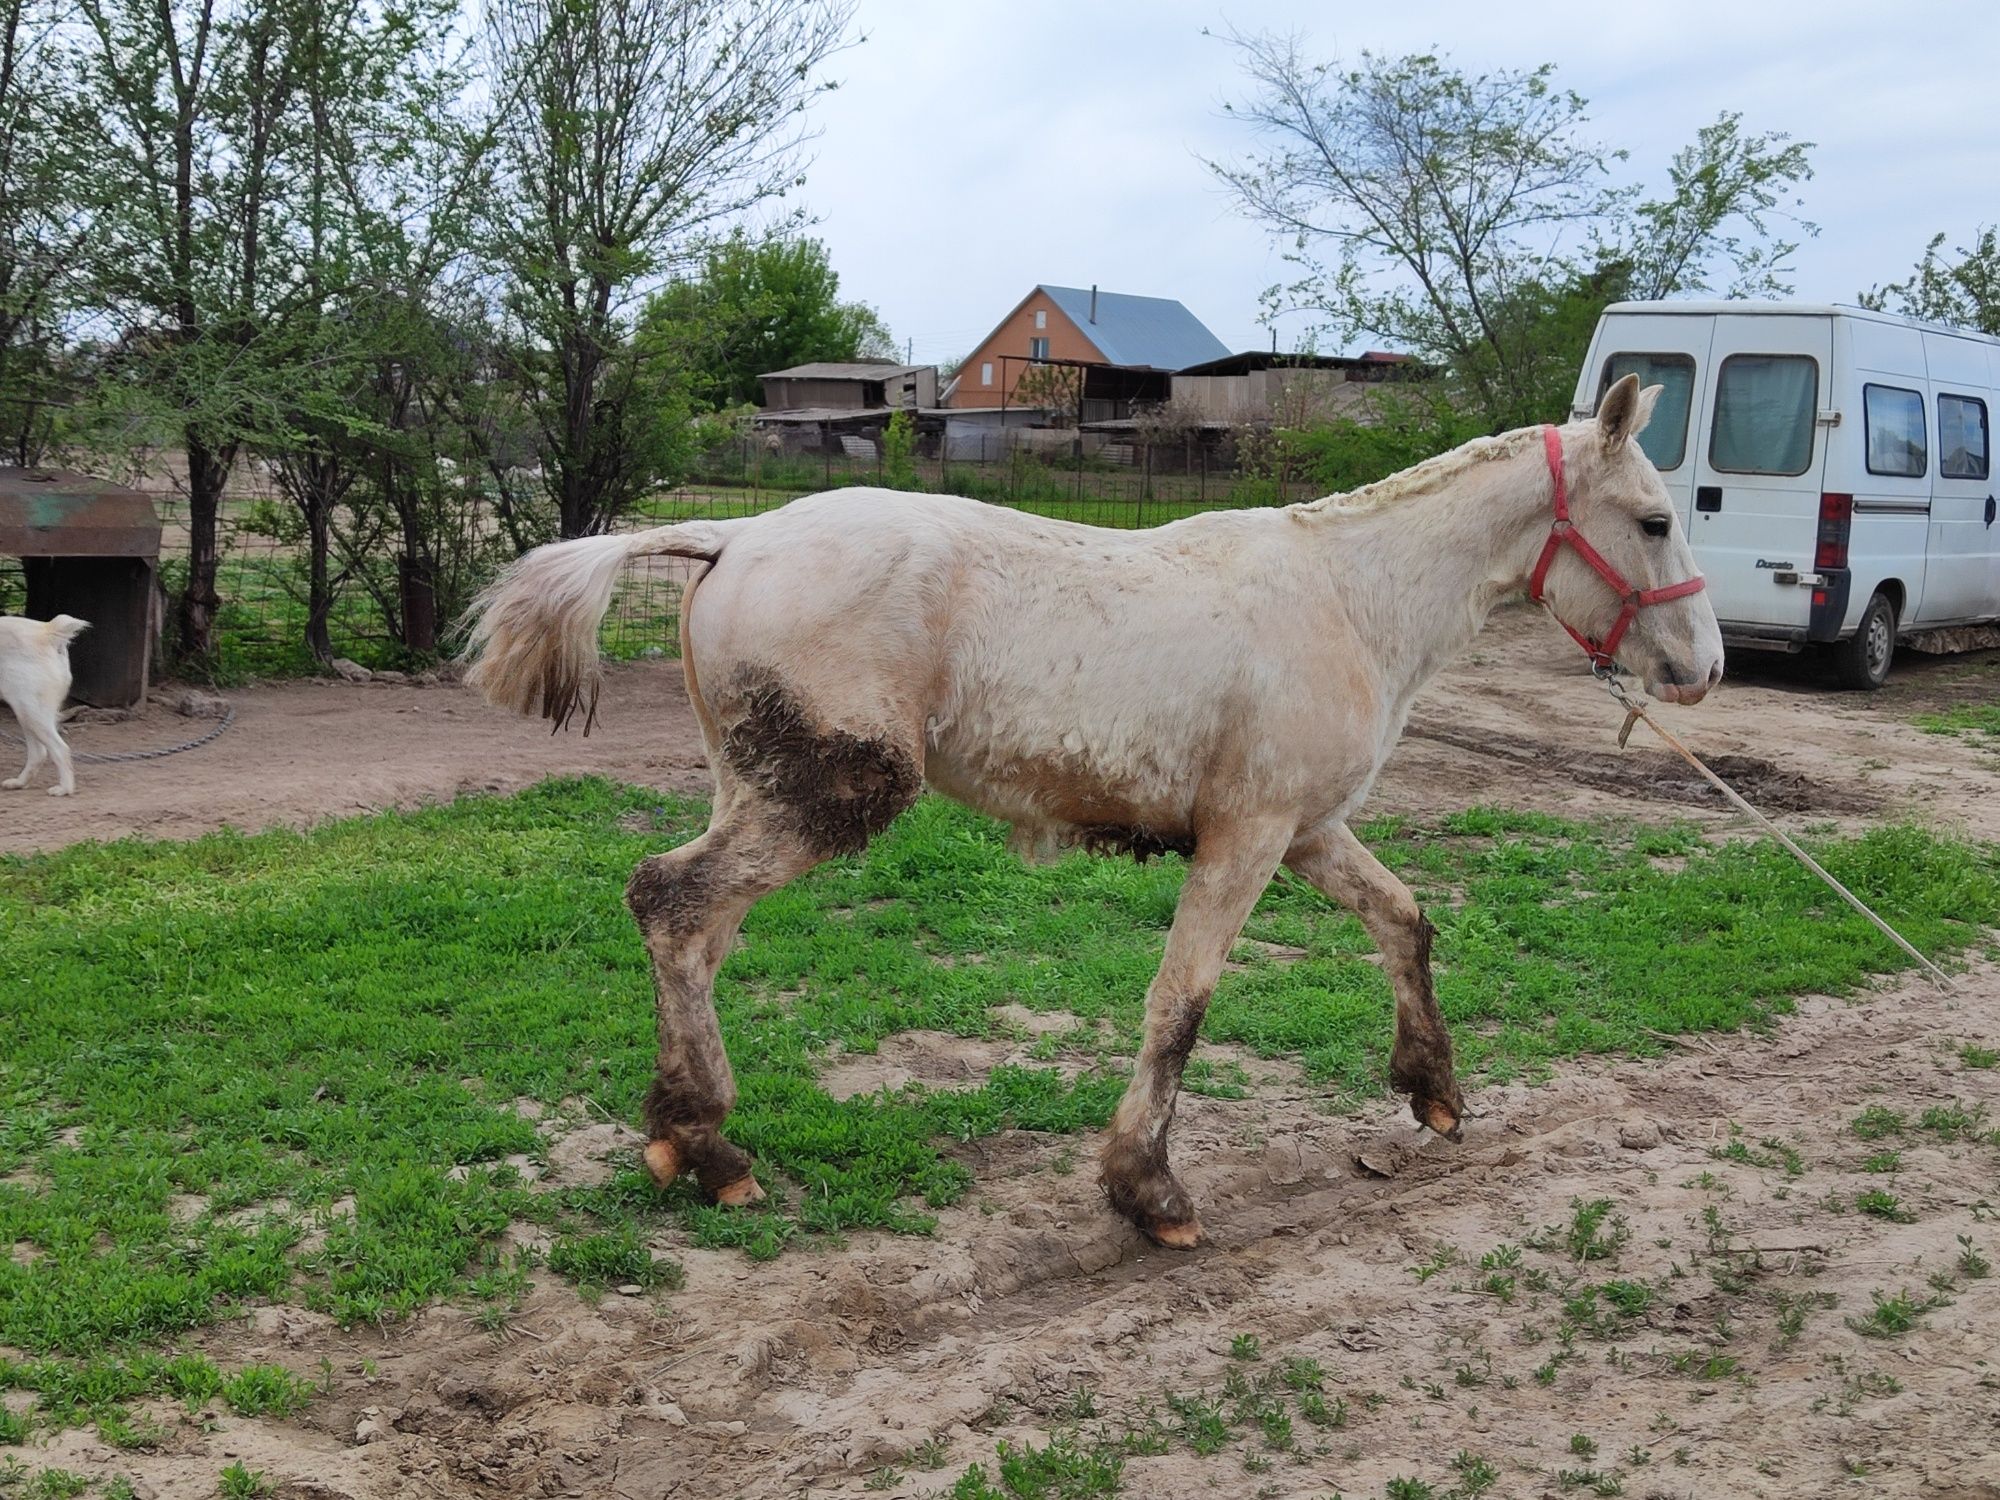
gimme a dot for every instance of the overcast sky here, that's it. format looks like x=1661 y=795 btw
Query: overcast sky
x=975 y=150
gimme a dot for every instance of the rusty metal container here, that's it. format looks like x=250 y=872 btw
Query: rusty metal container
x=91 y=549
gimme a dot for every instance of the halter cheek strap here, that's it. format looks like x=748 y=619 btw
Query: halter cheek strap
x=1563 y=533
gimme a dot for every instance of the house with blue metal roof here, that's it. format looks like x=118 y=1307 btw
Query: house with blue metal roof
x=1068 y=328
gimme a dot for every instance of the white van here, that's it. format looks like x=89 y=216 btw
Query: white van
x=1833 y=466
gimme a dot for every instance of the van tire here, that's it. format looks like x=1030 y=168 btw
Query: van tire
x=1862 y=660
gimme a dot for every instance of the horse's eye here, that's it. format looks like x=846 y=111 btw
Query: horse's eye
x=1656 y=525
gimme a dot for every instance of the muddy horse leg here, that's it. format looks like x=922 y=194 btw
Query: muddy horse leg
x=1228 y=873
x=790 y=792
x=1335 y=861
x=689 y=903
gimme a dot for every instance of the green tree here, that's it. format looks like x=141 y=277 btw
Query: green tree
x=1964 y=292
x=635 y=127
x=46 y=208
x=385 y=174
x=1471 y=218
x=191 y=139
x=763 y=305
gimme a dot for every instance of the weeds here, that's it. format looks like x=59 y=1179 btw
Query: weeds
x=265 y=1390
x=1881 y=1205
x=1971 y=1264
x=1877 y=1121
x=1890 y=1317
x=1594 y=1232
x=1953 y=1121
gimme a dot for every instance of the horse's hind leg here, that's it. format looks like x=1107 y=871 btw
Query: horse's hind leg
x=1230 y=868
x=689 y=903
x=1335 y=861
x=791 y=792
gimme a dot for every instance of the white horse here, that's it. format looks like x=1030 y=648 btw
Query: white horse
x=1227 y=686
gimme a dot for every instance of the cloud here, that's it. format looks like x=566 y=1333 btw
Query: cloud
x=973 y=151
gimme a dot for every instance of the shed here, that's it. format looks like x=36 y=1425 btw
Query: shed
x=854 y=385
x=90 y=549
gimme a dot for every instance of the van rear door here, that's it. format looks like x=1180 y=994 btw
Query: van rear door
x=1757 y=467
x=1669 y=350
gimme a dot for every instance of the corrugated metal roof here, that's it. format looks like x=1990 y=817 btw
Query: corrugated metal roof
x=1156 y=332
x=861 y=370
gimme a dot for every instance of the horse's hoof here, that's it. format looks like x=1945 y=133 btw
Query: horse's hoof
x=741 y=1193
x=1442 y=1119
x=1182 y=1236
x=663 y=1160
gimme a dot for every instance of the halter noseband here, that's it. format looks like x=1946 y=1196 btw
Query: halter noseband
x=1563 y=533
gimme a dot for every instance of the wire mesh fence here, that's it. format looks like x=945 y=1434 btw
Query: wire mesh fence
x=262 y=573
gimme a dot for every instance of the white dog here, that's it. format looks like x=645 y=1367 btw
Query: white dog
x=34 y=680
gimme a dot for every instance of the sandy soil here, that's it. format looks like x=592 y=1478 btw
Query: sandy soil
x=810 y=1375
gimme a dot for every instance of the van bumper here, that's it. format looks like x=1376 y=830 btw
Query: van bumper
x=1737 y=636
x=1823 y=623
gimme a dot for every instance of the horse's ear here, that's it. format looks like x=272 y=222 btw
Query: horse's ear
x=1648 y=399
x=1621 y=413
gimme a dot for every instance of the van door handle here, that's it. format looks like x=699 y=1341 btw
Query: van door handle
x=1989 y=510
x=1708 y=497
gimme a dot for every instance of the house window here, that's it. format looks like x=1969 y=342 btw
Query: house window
x=1764 y=414
x=986 y=374
x=1041 y=317
x=1962 y=447
x=1896 y=444
x=1665 y=439
x=1038 y=348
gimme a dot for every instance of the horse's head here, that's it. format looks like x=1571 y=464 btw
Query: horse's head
x=1656 y=624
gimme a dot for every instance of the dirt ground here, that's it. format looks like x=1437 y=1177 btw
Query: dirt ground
x=1751 y=1372
x=1518 y=721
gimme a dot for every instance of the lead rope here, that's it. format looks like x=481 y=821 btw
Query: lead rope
x=1635 y=712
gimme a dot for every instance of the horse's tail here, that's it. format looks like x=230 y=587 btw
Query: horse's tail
x=533 y=631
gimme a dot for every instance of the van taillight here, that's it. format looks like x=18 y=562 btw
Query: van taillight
x=1836 y=518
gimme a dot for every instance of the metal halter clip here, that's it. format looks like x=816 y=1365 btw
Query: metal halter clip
x=1634 y=709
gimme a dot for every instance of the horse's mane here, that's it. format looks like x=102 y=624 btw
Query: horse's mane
x=1425 y=478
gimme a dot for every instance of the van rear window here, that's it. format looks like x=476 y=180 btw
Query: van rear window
x=1665 y=438
x=1963 y=449
x=1764 y=405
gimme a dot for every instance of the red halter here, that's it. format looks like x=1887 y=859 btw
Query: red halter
x=1564 y=533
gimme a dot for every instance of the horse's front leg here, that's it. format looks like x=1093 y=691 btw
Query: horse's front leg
x=1229 y=870
x=1335 y=861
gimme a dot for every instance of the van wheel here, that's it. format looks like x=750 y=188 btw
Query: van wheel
x=1862 y=661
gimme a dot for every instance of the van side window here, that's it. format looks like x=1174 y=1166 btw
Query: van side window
x=1962 y=446
x=1764 y=405
x=1896 y=442
x=1665 y=439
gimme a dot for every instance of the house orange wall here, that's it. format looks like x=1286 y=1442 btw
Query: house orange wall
x=1066 y=341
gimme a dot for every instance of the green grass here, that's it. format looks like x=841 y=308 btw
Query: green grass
x=1974 y=720
x=1064 y=1470
x=285 y=1067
